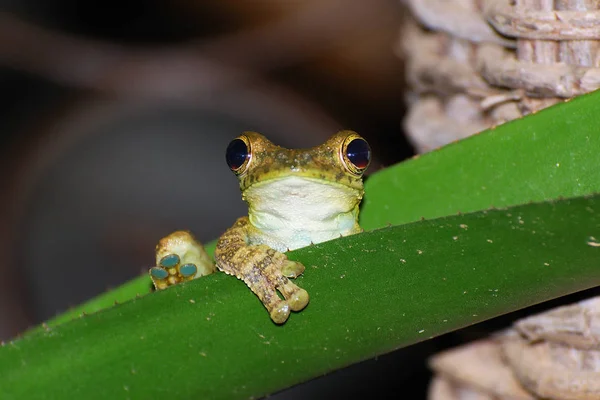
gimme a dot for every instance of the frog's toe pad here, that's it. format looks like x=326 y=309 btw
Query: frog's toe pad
x=159 y=277
x=298 y=300
x=188 y=270
x=280 y=313
x=292 y=269
x=170 y=272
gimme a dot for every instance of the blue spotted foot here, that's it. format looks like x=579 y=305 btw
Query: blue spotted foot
x=179 y=258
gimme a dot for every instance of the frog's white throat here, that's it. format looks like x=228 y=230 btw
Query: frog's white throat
x=293 y=212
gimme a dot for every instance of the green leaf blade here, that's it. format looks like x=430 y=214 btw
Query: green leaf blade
x=370 y=293
x=551 y=154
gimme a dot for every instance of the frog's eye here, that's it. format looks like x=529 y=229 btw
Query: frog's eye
x=356 y=154
x=238 y=155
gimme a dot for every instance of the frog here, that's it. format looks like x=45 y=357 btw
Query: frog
x=295 y=198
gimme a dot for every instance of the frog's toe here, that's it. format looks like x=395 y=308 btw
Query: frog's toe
x=298 y=300
x=170 y=261
x=170 y=272
x=292 y=269
x=159 y=277
x=188 y=270
x=296 y=297
x=280 y=313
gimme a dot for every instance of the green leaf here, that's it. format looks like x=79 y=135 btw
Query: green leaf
x=136 y=287
x=544 y=156
x=371 y=293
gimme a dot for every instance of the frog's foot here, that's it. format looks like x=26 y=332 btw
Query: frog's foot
x=292 y=269
x=295 y=298
x=179 y=258
x=264 y=270
x=171 y=271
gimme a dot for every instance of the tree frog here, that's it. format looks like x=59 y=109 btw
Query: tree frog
x=295 y=197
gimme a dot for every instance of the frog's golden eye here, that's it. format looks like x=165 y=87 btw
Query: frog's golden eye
x=356 y=154
x=238 y=155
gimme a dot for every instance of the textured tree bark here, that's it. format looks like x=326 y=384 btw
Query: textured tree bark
x=553 y=355
x=503 y=58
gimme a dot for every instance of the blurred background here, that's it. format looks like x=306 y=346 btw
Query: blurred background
x=114 y=120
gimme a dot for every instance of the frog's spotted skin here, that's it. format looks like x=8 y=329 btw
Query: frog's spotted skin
x=295 y=197
x=179 y=258
x=263 y=269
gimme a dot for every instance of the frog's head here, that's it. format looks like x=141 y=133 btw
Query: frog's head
x=304 y=187
x=341 y=161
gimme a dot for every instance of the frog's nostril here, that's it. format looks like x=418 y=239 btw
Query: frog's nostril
x=237 y=155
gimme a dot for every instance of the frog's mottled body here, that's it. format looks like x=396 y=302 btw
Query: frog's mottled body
x=295 y=197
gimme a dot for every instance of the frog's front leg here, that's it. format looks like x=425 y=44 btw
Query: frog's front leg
x=263 y=269
x=179 y=258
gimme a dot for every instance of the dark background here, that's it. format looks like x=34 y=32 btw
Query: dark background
x=115 y=116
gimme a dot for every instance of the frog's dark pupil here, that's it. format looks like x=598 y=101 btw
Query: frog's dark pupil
x=359 y=153
x=236 y=154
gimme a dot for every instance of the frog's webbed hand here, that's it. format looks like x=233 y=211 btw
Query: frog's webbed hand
x=263 y=269
x=179 y=258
